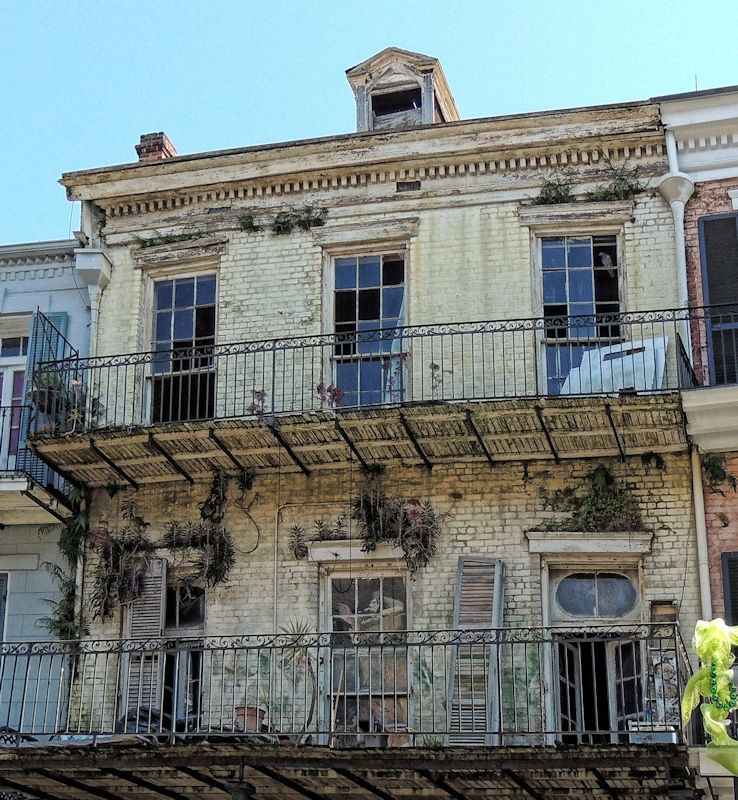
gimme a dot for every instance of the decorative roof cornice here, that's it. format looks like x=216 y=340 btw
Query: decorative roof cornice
x=34 y=254
x=643 y=147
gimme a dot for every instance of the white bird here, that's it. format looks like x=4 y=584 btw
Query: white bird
x=606 y=262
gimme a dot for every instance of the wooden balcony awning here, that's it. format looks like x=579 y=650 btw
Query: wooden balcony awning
x=426 y=435
x=211 y=772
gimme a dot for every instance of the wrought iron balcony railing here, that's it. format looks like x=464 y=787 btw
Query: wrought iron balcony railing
x=525 y=686
x=642 y=352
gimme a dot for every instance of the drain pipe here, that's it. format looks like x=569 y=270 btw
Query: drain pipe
x=703 y=565
x=676 y=188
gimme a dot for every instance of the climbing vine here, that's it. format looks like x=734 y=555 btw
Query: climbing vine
x=64 y=622
x=605 y=505
x=205 y=548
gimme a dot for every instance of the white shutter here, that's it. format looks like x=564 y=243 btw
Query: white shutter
x=144 y=617
x=474 y=693
x=142 y=677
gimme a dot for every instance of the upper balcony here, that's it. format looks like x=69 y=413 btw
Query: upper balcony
x=542 y=388
x=514 y=712
x=31 y=492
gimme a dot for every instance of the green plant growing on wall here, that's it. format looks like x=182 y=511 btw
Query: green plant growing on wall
x=622 y=182
x=327 y=532
x=297 y=543
x=372 y=471
x=303 y=218
x=555 y=190
x=604 y=505
x=247 y=223
x=651 y=460
x=123 y=558
x=208 y=545
x=62 y=622
x=716 y=472
x=213 y=508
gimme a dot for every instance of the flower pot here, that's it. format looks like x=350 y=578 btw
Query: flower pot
x=250 y=718
x=45 y=400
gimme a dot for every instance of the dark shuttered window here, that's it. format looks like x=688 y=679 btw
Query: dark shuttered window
x=730 y=587
x=719 y=253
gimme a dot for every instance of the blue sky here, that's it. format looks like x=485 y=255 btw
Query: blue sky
x=82 y=80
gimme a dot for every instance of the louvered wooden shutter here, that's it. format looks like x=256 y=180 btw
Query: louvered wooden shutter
x=143 y=671
x=145 y=614
x=730 y=587
x=478 y=604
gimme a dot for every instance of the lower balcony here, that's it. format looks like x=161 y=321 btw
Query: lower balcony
x=510 y=713
x=599 y=385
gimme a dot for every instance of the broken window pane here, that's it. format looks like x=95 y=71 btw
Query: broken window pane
x=395 y=102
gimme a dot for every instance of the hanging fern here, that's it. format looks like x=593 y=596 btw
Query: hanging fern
x=123 y=560
x=211 y=547
x=413 y=525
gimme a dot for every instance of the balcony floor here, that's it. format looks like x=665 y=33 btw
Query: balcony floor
x=427 y=434
x=114 y=771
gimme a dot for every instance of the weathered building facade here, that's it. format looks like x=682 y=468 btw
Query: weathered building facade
x=389 y=428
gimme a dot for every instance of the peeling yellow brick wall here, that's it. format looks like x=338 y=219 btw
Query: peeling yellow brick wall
x=490 y=510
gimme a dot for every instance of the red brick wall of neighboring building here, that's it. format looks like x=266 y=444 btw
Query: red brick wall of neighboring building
x=721 y=510
x=721 y=517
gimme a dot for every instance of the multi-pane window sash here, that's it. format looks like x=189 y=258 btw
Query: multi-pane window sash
x=580 y=293
x=369 y=684
x=369 y=309
x=184 y=336
x=184 y=318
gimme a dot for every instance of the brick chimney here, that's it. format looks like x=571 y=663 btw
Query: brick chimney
x=155 y=147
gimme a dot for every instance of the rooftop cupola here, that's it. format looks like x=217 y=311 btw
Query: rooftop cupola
x=399 y=89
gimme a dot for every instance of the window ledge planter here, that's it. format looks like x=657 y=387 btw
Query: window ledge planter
x=338 y=551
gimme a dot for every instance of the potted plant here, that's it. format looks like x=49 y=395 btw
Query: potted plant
x=47 y=392
x=250 y=716
x=297 y=659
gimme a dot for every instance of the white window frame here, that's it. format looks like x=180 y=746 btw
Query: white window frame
x=367 y=569
x=537 y=279
x=329 y=292
x=174 y=271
